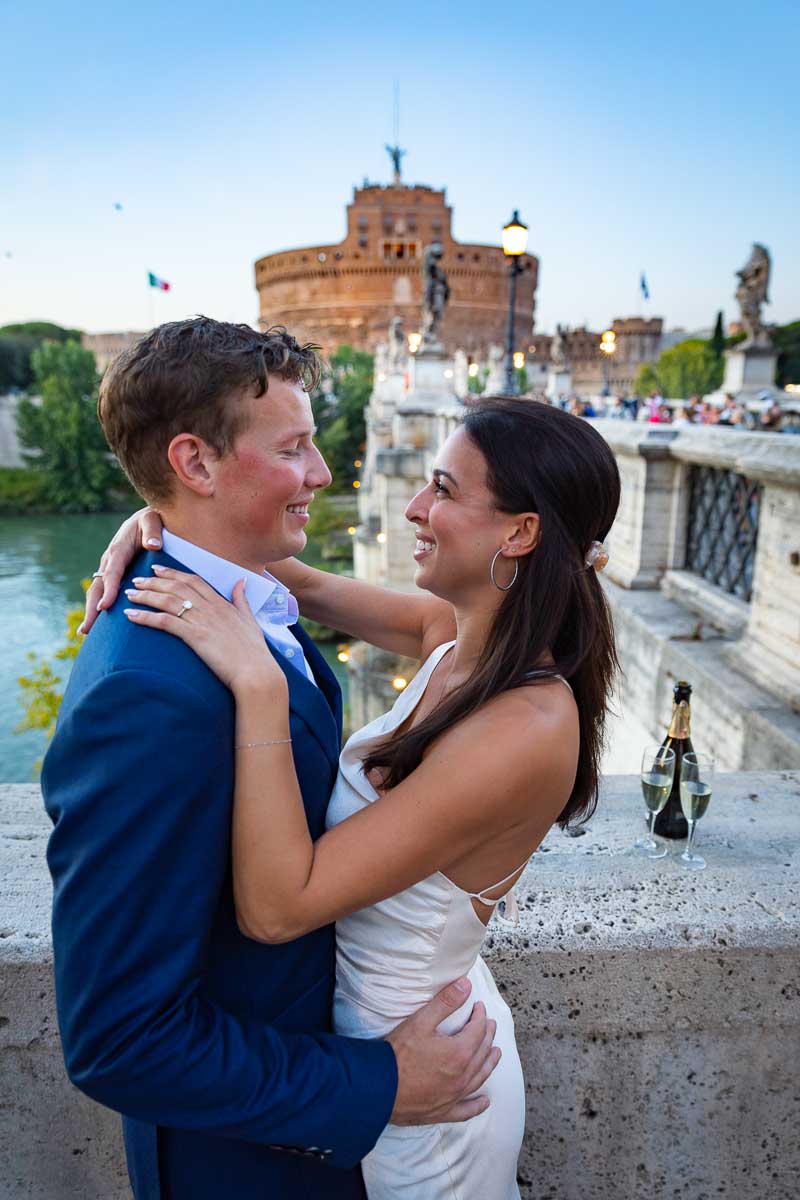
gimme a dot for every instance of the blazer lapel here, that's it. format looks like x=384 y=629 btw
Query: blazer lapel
x=320 y=707
x=324 y=676
x=310 y=702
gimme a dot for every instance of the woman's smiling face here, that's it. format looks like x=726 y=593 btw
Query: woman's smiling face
x=458 y=527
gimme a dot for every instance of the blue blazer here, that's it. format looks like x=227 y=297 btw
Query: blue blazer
x=216 y=1049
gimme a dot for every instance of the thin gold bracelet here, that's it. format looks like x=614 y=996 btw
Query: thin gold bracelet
x=249 y=745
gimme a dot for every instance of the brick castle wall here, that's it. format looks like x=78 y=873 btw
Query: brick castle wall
x=349 y=292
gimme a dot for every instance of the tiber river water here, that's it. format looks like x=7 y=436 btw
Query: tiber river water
x=42 y=562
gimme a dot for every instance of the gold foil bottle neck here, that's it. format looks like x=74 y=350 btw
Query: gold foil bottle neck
x=681 y=720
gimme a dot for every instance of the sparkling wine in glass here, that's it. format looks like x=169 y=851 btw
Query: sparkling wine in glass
x=658 y=771
x=697 y=783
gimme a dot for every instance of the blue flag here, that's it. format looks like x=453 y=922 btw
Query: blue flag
x=644 y=287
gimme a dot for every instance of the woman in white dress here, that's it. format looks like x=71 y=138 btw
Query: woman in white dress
x=440 y=802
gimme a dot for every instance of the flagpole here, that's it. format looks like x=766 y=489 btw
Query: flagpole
x=151 y=304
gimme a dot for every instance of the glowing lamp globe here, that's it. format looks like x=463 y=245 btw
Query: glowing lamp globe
x=515 y=237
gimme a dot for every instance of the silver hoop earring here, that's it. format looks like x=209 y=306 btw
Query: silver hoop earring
x=508 y=586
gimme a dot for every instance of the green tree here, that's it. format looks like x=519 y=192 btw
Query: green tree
x=15 y=362
x=61 y=433
x=786 y=340
x=476 y=384
x=682 y=370
x=42 y=331
x=341 y=423
x=43 y=688
x=646 y=380
x=17 y=344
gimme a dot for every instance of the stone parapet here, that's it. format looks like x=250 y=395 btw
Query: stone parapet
x=648 y=541
x=737 y=719
x=657 y=1011
x=767 y=457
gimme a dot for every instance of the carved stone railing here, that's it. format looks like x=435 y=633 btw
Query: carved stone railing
x=657 y=1011
x=650 y=545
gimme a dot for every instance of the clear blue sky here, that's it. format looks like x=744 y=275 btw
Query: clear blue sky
x=657 y=137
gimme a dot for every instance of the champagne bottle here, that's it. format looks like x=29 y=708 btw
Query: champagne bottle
x=671 y=822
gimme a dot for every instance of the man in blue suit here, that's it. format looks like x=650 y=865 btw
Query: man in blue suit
x=216 y=1048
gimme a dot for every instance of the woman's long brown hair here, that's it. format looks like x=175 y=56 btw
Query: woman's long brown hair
x=538 y=459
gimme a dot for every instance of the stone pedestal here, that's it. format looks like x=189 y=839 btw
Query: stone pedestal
x=748 y=371
x=652 y=506
x=429 y=387
x=559 y=382
x=388 y=392
x=496 y=379
x=460 y=374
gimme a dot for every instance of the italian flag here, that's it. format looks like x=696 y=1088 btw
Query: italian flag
x=155 y=282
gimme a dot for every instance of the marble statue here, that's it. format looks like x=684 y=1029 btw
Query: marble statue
x=558 y=347
x=435 y=294
x=398 y=348
x=382 y=358
x=752 y=293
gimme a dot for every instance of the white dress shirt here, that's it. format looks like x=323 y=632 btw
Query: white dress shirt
x=273 y=606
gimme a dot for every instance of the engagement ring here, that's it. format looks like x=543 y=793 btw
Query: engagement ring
x=187 y=604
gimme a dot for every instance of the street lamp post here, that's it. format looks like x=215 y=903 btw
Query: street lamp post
x=608 y=346
x=515 y=240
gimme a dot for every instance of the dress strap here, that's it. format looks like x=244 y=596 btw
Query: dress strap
x=481 y=895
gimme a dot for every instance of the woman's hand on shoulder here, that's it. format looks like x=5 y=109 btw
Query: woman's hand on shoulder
x=141 y=531
x=225 y=635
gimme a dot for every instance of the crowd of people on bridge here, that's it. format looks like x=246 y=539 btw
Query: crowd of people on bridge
x=769 y=417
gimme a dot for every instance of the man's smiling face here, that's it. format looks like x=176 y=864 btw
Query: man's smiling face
x=264 y=485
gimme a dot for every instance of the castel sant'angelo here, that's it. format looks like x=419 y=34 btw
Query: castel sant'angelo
x=348 y=292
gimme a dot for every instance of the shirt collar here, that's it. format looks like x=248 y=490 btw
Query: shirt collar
x=265 y=594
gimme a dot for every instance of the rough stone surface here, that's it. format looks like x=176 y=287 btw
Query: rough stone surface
x=723 y=612
x=55 y=1144
x=657 y=1011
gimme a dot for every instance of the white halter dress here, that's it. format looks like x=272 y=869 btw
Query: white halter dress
x=391 y=959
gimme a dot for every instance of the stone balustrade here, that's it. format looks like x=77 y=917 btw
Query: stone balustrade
x=743 y=657
x=657 y=1011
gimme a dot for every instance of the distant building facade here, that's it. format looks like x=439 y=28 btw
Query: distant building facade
x=349 y=291
x=639 y=340
x=106 y=346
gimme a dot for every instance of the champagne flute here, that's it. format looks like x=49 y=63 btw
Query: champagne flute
x=657 y=774
x=697 y=782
